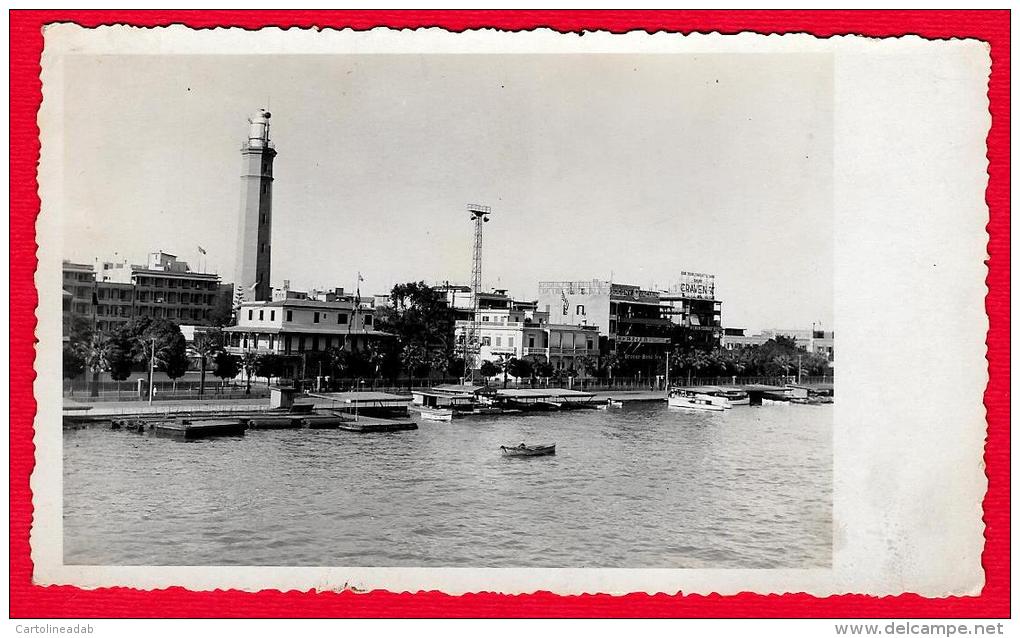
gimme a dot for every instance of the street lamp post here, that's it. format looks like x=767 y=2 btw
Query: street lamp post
x=152 y=361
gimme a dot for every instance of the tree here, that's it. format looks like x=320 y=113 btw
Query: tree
x=423 y=325
x=694 y=362
x=225 y=365
x=96 y=354
x=206 y=345
x=521 y=368
x=73 y=362
x=158 y=343
x=488 y=369
x=120 y=354
x=249 y=361
x=504 y=366
x=414 y=358
x=269 y=365
x=544 y=369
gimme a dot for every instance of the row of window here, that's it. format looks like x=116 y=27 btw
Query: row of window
x=171 y=297
x=317 y=317
x=290 y=343
x=169 y=282
x=79 y=276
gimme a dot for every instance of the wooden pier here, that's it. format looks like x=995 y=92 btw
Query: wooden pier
x=189 y=430
x=367 y=424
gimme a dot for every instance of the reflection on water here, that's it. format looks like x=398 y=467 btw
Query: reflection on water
x=642 y=486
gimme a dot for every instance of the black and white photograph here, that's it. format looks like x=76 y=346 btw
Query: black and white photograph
x=437 y=301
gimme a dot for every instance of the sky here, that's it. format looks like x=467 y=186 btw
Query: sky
x=630 y=167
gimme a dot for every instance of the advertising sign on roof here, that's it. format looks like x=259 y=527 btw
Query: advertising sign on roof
x=695 y=285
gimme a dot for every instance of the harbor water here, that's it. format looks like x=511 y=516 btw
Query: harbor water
x=640 y=486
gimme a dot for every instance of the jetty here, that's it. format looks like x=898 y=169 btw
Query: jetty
x=368 y=424
x=531 y=399
x=375 y=404
x=188 y=430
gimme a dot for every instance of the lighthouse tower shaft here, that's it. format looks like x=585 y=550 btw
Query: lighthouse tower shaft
x=255 y=222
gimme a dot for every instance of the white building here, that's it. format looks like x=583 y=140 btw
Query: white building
x=295 y=327
x=509 y=328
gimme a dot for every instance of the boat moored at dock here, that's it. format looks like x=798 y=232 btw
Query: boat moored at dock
x=689 y=400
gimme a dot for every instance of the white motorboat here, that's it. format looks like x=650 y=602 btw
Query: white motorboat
x=694 y=401
x=731 y=396
x=434 y=414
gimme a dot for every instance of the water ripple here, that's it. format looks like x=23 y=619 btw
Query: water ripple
x=644 y=486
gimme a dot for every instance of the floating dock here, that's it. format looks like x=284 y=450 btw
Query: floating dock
x=366 y=424
x=273 y=422
x=321 y=421
x=376 y=404
x=190 y=430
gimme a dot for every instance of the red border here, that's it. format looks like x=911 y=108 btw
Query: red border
x=32 y=601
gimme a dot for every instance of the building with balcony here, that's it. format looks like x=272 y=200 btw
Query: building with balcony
x=513 y=328
x=691 y=306
x=628 y=319
x=164 y=288
x=167 y=288
x=295 y=327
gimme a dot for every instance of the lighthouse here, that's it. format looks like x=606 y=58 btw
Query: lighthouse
x=255 y=221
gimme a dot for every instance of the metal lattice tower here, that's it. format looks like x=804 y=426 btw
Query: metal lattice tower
x=479 y=215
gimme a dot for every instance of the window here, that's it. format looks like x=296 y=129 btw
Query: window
x=590 y=344
x=486 y=341
x=368 y=320
x=290 y=315
x=579 y=310
x=301 y=343
x=315 y=318
x=511 y=342
x=531 y=341
x=262 y=315
x=315 y=342
x=272 y=340
x=272 y=315
x=341 y=318
x=251 y=314
x=499 y=342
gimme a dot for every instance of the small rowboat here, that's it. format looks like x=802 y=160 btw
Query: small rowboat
x=615 y=404
x=528 y=450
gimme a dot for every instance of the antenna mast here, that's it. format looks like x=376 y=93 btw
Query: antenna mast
x=479 y=215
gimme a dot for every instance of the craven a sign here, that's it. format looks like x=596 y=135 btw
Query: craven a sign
x=695 y=285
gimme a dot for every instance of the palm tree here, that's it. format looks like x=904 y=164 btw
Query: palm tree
x=206 y=345
x=96 y=355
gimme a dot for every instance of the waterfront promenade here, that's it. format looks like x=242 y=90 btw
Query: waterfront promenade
x=192 y=406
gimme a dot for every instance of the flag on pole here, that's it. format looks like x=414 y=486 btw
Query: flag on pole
x=201 y=250
x=254 y=285
x=566 y=303
x=95 y=293
x=357 y=291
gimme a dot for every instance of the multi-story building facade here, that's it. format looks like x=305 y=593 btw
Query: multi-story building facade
x=163 y=288
x=511 y=328
x=628 y=319
x=295 y=327
x=690 y=305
